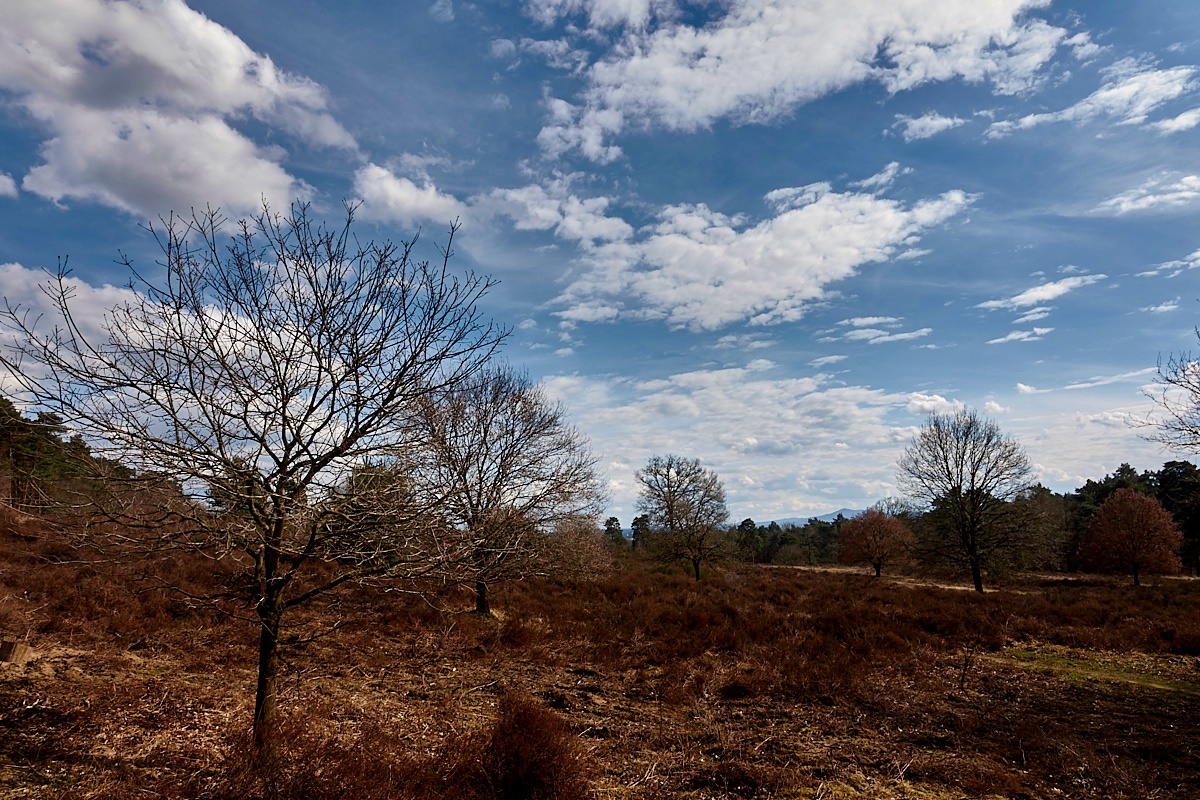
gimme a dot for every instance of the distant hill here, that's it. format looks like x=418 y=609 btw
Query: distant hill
x=830 y=517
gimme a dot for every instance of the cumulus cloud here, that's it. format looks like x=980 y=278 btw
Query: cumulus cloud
x=601 y=14
x=748 y=424
x=554 y=206
x=702 y=269
x=139 y=99
x=22 y=289
x=928 y=404
x=993 y=408
x=1162 y=191
x=742 y=65
x=1132 y=93
x=8 y=187
x=1042 y=294
x=387 y=196
x=926 y=125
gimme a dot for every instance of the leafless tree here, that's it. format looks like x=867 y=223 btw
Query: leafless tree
x=506 y=468
x=1178 y=399
x=269 y=368
x=686 y=506
x=965 y=473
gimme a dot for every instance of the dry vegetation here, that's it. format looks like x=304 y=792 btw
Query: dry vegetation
x=768 y=683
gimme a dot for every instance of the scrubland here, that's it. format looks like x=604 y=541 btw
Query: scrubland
x=635 y=683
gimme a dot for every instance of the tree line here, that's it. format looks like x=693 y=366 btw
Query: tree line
x=970 y=506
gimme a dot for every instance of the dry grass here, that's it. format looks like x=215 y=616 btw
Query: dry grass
x=764 y=683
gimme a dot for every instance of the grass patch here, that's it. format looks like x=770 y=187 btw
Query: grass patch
x=1095 y=667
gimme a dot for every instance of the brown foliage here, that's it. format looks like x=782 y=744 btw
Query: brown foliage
x=874 y=538
x=762 y=683
x=1132 y=534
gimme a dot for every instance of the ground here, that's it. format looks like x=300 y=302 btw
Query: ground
x=758 y=682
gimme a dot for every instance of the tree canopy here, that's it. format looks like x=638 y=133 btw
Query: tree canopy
x=965 y=472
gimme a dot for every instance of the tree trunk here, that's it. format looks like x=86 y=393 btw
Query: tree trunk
x=265 y=697
x=977 y=575
x=878 y=568
x=1136 y=578
x=696 y=567
x=482 y=606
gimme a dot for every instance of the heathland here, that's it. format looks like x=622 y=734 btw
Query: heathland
x=632 y=682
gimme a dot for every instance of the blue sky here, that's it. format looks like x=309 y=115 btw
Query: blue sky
x=771 y=235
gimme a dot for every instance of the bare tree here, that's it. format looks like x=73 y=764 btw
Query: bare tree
x=965 y=472
x=268 y=368
x=506 y=468
x=1178 y=398
x=685 y=504
x=1132 y=534
x=874 y=537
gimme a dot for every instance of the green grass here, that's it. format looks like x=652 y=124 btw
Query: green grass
x=1073 y=667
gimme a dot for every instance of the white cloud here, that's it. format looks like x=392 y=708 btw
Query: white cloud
x=387 y=196
x=502 y=48
x=1033 y=315
x=554 y=206
x=1022 y=336
x=1162 y=191
x=8 y=187
x=1163 y=308
x=442 y=10
x=1172 y=269
x=748 y=426
x=601 y=13
x=866 y=322
x=991 y=407
x=143 y=162
x=1043 y=293
x=22 y=289
x=743 y=341
x=1024 y=388
x=877 y=336
x=928 y=404
x=704 y=270
x=884 y=178
x=139 y=99
x=1182 y=122
x=1105 y=380
x=926 y=125
x=744 y=66
x=1082 y=46
x=1133 y=92
x=558 y=53
x=825 y=361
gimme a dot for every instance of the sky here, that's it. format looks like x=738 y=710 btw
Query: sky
x=774 y=236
